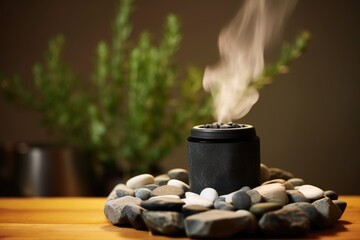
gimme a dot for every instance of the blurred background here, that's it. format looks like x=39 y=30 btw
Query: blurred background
x=307 y=120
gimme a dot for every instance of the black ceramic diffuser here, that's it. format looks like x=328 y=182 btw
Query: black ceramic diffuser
x=225 y=157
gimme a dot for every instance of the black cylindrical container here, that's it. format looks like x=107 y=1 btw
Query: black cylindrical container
x=225 y=159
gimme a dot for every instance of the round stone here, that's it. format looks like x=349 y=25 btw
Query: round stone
x=241 y=200
x=140 y=181
x=311 y=192
x=143 y=193
x=167 y=190
x=209 y=193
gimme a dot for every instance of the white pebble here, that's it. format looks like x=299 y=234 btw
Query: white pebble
x=209 y=193
x=191 y=194
x=165 y=196
x=179 y=184
x=311 y=192
x=140 y=180
x=197 y=200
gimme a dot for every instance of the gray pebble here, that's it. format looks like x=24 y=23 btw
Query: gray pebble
x=163 y=204
x=341 y=204
x=123 y=191
x=164 y=223
x=262 y=208
x=222 y=205
x=296 y=196
x=329 y=211
x=217 y=224
x=143 y=193
x=134 y=215
x=114 y=209
x=289 y=221
x=312 y=213
x=241 y=200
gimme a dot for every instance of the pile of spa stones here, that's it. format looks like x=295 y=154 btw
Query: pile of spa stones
x=281 y=206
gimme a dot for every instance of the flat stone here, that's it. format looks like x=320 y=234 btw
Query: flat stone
x=312 y=213
x=255 y=196
x=296 y=181
x=140 y=181
x=209 y=193
x=189 y=210
x=162 y=179
x=134 y=215
x=222 y=205
x=274 y=192
x=179 y=184
x=143 y=193
x=114 y=209
x=331 y=194
x=163 y=204
x=262 y=208
x=241 y=200
x=253 y=223
x=264 y=173
x=125 y=191
x=311 y=192
x=167 y=190
x=289 y=221
x=296 y=196
x=280 y=173
x=216 y=224
x=164 y=223
x=329 y=211
x=167 y=196
x=179 y=174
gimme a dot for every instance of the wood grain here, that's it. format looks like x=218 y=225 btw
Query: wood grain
x=83 y=218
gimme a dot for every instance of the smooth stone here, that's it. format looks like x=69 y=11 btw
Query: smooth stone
x=289 y=221
x=330 y=211
x=151 y=186
x=126 y=192
x=253 y=223
x=163 y=204
x=228 y=197
x=167 y=196
x=162 y=179
x=241 y=200
x=216 y=224
x=189 y=210
x=140 y=181
x=296 y=181
x=222 y=205
x=197 y=200
x=311 y=192
x=341 y=204
x=114 y=209
x=164 y=223
x=134 y=215
x=312 y=213
x=280 y=173
x=209 y=193
x=331 y=194
x=296 y=196
x=274 y=192
x=191 y=194
x=262 y=208
x=288 y=186
x=255 y=196
x=143 y=193
x=179 y=184
x=167 y=190
x=264 y=173
x=179 y=174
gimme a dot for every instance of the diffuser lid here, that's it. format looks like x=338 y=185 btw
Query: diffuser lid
x=234 y=131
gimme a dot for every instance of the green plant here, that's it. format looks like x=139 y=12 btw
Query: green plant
x=131 y=111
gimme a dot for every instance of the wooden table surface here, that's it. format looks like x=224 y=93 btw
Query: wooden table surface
x=83 y=218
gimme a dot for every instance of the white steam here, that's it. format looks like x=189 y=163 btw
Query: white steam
x=241 y=46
